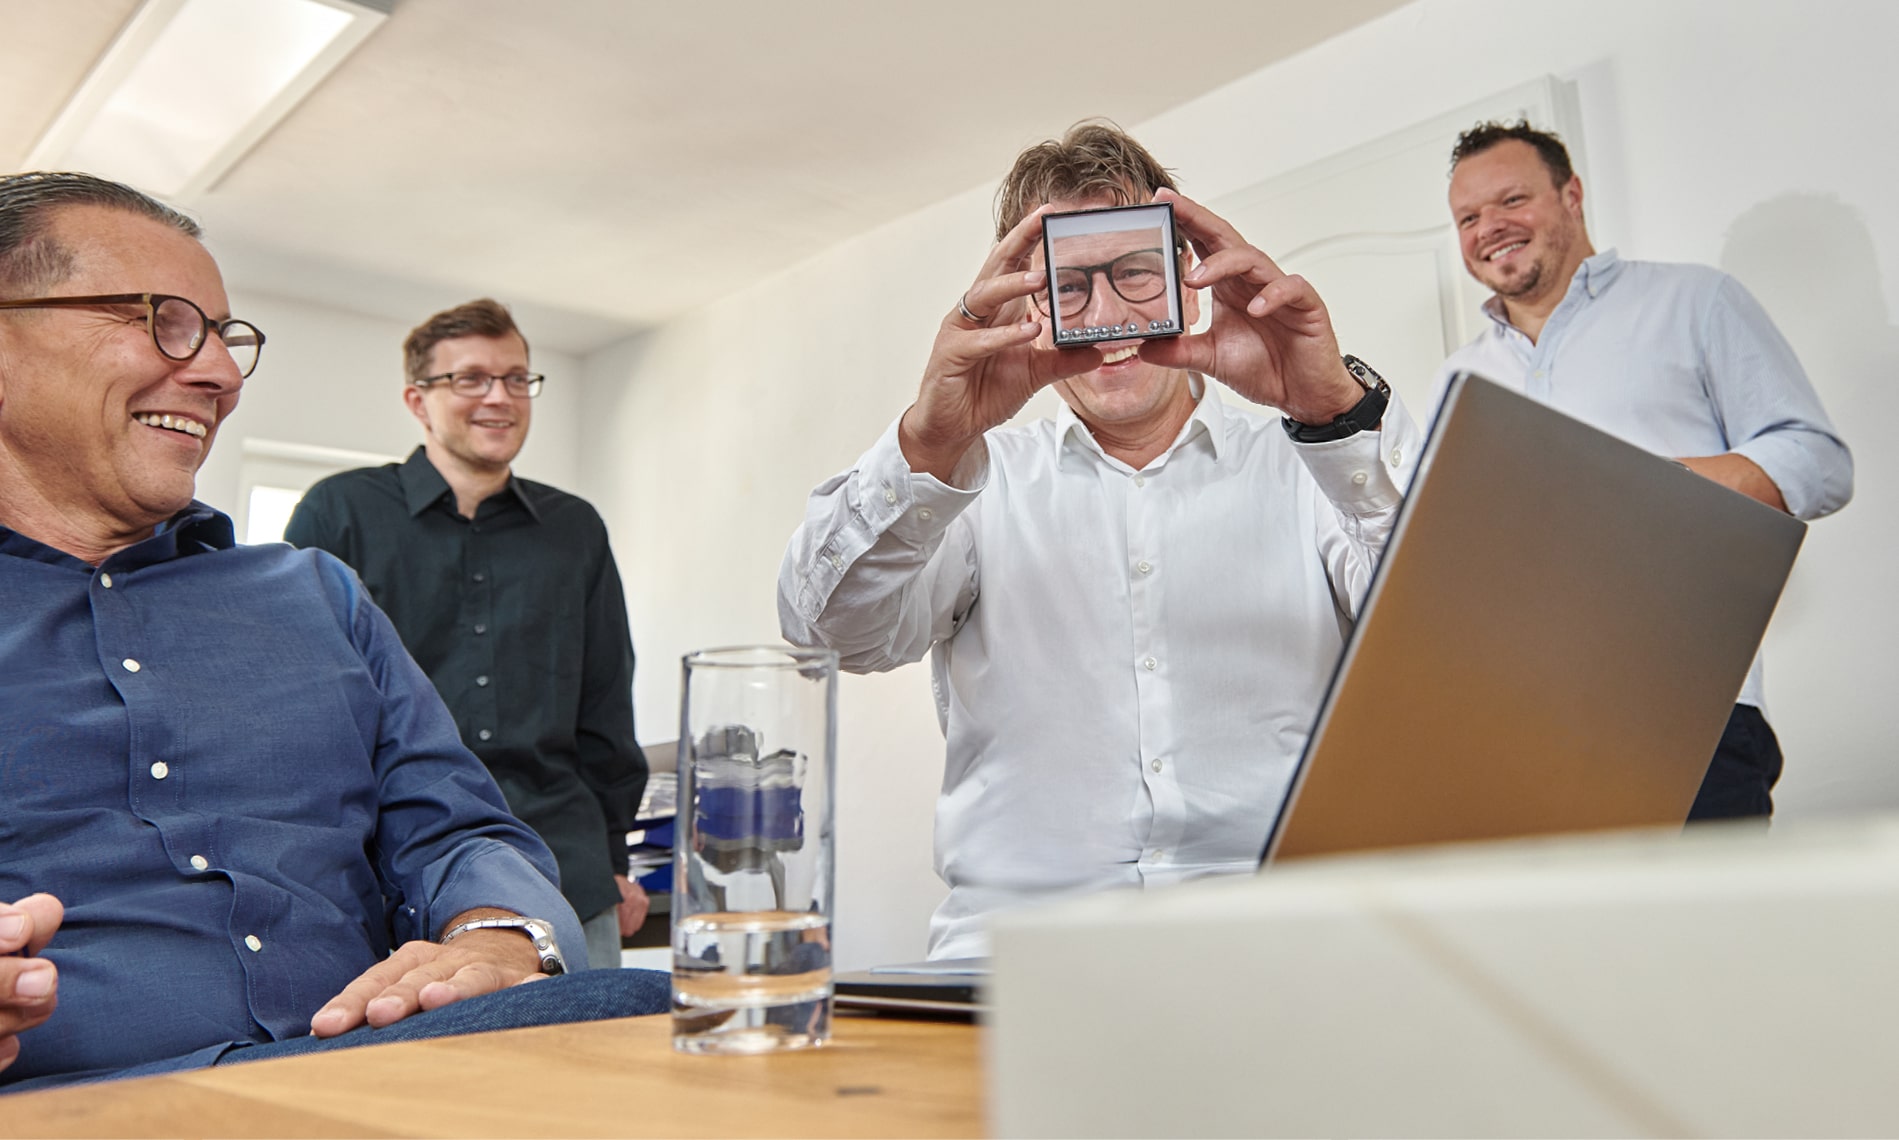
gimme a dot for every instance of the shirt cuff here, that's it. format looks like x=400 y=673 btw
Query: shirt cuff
x=1801 y=475
x=501 y=877
x=1358 y=473
x=915 y=506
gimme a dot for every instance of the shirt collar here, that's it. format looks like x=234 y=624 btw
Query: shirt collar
x=1208 y=421
x=198 y=529
x=1599 y=272
x=423 y=486
x=1595 y=274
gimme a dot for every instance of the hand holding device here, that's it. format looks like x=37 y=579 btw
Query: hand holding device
x=984 y=365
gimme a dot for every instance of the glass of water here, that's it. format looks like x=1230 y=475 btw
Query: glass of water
x=753 y=854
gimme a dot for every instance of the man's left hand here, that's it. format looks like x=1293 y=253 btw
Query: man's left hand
x=428 y=975
x=1270 y=339
x=633 y=905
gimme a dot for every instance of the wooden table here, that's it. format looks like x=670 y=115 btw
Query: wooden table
x=879 y=1077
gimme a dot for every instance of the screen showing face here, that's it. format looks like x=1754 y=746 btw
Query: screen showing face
x=1113 y=274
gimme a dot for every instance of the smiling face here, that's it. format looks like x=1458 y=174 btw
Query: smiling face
x=99 y=433
x=480 y=434
x=1521 y=234
x=1126 y=395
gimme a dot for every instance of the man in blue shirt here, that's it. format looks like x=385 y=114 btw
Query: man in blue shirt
x=239 y=821
x=1678 y=359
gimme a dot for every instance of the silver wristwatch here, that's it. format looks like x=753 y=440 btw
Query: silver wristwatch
x=540 y=933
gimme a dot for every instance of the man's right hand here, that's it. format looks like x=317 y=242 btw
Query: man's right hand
x=29 y=986
x=982 y=371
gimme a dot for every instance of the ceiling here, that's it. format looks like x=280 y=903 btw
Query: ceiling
x=604 y=165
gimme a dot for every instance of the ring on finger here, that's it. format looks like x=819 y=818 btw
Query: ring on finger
x=962 y=306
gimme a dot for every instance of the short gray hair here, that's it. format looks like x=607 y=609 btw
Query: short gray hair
x=30 y=258
x=1093 y=157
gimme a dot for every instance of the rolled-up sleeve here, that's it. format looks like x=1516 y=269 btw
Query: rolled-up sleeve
x=1768 y=408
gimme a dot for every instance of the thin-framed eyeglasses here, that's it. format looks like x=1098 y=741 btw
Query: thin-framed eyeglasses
x=526 y=385
x=1136 y=277
x=178 y=326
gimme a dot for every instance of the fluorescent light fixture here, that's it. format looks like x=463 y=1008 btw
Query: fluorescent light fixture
x=189 y=86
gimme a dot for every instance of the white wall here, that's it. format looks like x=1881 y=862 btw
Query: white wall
x=1746 y=133
x=334 y=379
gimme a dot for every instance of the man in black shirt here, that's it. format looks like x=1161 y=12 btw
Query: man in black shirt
x=506 y=593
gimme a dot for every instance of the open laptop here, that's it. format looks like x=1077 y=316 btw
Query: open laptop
x=1552 y=643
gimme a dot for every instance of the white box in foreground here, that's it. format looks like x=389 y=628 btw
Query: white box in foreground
x=1732 y=982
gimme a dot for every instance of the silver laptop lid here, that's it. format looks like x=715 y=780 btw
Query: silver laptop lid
x=1553 y=641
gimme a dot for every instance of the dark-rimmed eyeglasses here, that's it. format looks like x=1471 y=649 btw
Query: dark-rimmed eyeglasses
x=179 y=327
x=521 y=384
x=1136 y=277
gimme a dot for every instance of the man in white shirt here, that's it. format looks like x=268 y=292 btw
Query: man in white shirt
x=1678 y=359
x=1131 y=610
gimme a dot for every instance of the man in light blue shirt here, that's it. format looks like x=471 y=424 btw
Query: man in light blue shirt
x=1677 y=359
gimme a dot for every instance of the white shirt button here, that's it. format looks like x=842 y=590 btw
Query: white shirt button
x=199 y=863
x=1397 y=456
x=1140 y=480
x=890 y=496
x=1359 y=478
x=160 y=770
x=482 y=680
x=486 y=734
x=105 y=580
x=130 y=665
x=1144 y=567
x=837 y=562
x=254 y=942
x=925 y=513
x=1151 y=664
x=1156 y=765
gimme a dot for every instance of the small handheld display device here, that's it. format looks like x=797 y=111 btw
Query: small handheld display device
x=1113 y=274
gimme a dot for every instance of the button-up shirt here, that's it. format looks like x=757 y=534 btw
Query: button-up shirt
x=1679 y=360
x=243 y=790
x=1126 y=663
x=518 y=617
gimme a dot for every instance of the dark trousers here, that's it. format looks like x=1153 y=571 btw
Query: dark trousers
x=1742 y=775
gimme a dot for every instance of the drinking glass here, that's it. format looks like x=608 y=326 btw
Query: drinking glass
x=753 y=858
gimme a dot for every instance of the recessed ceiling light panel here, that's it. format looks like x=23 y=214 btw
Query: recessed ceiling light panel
x=189 y=86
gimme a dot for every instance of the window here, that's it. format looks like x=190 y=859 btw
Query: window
x=274 y=476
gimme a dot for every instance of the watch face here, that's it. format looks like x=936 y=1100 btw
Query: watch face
x=1365 y=374
x=544 y=944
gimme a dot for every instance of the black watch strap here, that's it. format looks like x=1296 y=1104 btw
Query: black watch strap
x=1363 y=416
